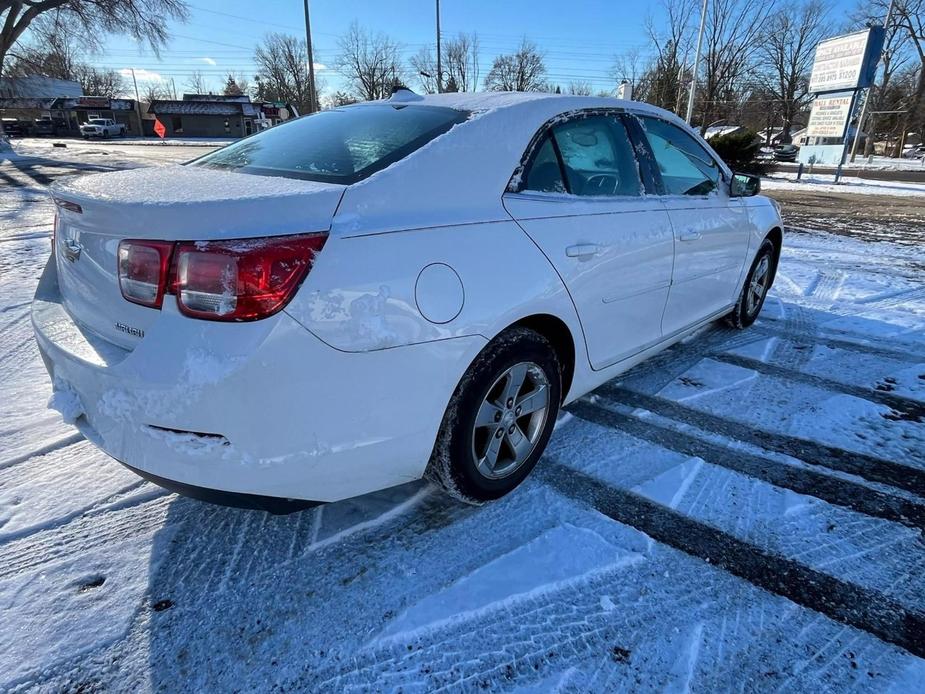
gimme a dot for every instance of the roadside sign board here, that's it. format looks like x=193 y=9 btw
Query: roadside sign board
x=830 y=114
x=847 y=62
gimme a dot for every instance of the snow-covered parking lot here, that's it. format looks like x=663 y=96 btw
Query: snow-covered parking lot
x=745 y=512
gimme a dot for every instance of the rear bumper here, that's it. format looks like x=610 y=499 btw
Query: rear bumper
x=275 y=411
x=256 y=502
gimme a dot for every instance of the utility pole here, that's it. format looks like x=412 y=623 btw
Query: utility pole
x=439 y=60
x=857 y=130
x=137 y=104
x=693 y=92
x=312 y=100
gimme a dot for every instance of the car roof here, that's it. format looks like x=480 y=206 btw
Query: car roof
x=544 y=102
x=460 y=177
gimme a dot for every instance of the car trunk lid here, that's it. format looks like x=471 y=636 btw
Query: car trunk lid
x=176 y=203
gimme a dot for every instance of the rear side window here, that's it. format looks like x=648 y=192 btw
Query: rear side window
x=686 y=167
x=589 y=156
x=342 y=145
x=545 y=174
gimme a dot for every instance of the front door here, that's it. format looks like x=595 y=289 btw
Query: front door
x=582 y=203
x=711 y=228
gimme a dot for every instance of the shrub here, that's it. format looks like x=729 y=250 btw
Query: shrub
x=740 y=150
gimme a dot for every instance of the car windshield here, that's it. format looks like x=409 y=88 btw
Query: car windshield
x=97 y=121
x=342 y=145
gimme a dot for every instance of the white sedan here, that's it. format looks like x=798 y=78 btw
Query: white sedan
x=390 y=290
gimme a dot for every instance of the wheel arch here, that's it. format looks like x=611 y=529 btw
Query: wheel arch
x=776 y=236
x=560 y=336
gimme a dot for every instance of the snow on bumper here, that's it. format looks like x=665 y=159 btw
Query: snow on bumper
x=257 y=408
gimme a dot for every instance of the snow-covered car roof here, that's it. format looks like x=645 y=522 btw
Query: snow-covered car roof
x=523 y=102
x=459 y=177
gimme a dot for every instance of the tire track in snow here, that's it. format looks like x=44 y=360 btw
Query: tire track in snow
x=874 y=469
x=863 y=345
x=893 y=298
x=50 y=447
x=826 y=288
x=803 y=480
x=137 y=516
x=862 y=608
x=914 y=408
x=115 y=500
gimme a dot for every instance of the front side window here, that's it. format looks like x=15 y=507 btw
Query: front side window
x=342 y=145
x=686 y=167
x=588 y=156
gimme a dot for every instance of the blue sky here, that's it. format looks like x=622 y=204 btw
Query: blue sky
x=579 y=37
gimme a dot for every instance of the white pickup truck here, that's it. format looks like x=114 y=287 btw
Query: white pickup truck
x=101 y=127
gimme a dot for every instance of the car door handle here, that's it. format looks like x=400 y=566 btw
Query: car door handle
x=583 y=250
x=690 y=235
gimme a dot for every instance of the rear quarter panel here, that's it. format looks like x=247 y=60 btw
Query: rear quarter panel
x=363 y=292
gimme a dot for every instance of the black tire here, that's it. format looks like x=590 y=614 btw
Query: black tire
x=746 y=311
x=453 y=463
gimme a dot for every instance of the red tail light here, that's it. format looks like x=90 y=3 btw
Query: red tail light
x=239 y=280
x=143 y=267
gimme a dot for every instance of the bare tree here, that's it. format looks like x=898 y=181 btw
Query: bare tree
x=424 y=67
x=787 y=57
x=660 y=78
x=521 y=71
x=197 y=83
x=243 y=82
x=371 y=63
x=51 y=50
x=100 y=82
x=630 y=67
x=461 y=61
x=888 y=92
x=282 y=72
x=734 y=33
x=144 y=20
x=910 y=15
x=153 y=91
x=580 y=88
x=460 y=64
x=55 y=49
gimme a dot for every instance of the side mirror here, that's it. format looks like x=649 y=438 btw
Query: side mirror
x=745 y=185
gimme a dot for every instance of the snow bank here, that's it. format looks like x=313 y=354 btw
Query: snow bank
x=826 y=184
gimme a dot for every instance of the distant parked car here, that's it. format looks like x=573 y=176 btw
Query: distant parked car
x=915 y=152
x=101 y=127
x=786 y=152
x=13 y=128
x=379 y=292
x=43 y=126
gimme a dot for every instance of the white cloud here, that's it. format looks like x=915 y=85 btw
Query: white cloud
x=142 y=75
x=320 y=66
x=208 y=61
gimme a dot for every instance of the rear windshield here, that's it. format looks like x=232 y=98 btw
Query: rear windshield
x=342 y=145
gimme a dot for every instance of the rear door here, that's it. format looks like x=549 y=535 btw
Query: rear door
x=582 y=202
x=711 y=228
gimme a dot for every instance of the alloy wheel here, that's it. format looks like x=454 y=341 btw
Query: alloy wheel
x=510 y=420
x=758 y=285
